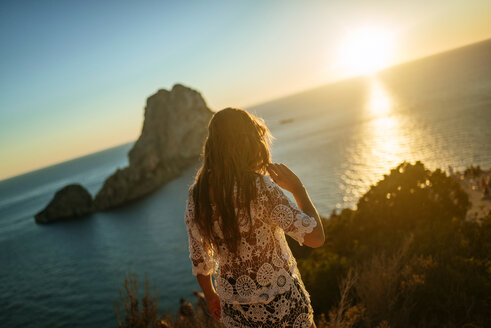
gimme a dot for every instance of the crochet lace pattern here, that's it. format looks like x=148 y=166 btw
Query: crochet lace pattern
x=264 y=267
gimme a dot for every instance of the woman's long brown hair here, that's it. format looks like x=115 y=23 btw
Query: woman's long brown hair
x=235 y=151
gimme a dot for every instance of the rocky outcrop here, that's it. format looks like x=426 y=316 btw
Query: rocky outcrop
x=69 y=202
x=174 y=128
x=173 y=132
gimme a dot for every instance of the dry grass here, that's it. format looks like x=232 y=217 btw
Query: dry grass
x=380 y=287
x=135 y=314
x=346 y=314
x=144 y=313
x=379 y=284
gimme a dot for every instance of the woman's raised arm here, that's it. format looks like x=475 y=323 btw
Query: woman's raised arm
x=286 y=179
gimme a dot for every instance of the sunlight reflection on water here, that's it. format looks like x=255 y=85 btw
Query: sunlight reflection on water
x=382 y=146
x=379 y=101
x=357 y=137
x=386 y=144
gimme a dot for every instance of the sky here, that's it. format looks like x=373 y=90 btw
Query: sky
x=75 y=75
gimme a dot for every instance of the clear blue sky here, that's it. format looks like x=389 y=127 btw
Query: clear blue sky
x=75 y=74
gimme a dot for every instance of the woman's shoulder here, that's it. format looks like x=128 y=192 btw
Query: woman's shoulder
x=267 y=189
x=263 y=178
x=264 y=181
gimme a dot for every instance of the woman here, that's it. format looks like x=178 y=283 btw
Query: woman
x=236 y=219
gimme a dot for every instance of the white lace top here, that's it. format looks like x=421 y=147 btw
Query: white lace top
x=265 y=265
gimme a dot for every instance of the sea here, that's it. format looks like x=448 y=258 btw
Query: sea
x=339 y=139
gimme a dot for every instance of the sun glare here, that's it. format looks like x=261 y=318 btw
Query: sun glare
x=365 y=50
x=379 y=102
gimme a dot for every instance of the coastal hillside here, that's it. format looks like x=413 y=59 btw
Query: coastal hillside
x=408 y=256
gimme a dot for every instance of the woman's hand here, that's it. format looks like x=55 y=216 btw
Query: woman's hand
x=287 y=180
x=214 y=305
x=284 y=177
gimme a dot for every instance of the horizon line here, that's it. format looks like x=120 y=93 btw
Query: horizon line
x=300 y=91
x=267 y=101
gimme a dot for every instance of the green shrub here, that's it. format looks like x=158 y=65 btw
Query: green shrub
x=440 y=278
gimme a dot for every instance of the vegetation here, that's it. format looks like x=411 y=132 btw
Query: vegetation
x=134 y=315
x=405 y=257
x=146 y=314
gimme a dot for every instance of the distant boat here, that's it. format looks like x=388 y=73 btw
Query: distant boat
x=286 y=120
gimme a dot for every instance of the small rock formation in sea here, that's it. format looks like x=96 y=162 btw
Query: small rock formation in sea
x=174 y=128
x=69 y=202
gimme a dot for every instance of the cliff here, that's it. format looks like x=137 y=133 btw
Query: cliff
x=174 y=128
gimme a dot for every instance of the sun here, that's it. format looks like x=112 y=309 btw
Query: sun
x=365 y=50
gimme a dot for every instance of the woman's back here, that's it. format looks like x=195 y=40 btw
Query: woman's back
x=243 y=246
x=263 y=266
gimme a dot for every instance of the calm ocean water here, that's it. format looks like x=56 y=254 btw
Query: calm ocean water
x=339 y=139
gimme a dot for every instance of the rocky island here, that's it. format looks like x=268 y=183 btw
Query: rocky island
x=174 y=128
x=69 y=202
